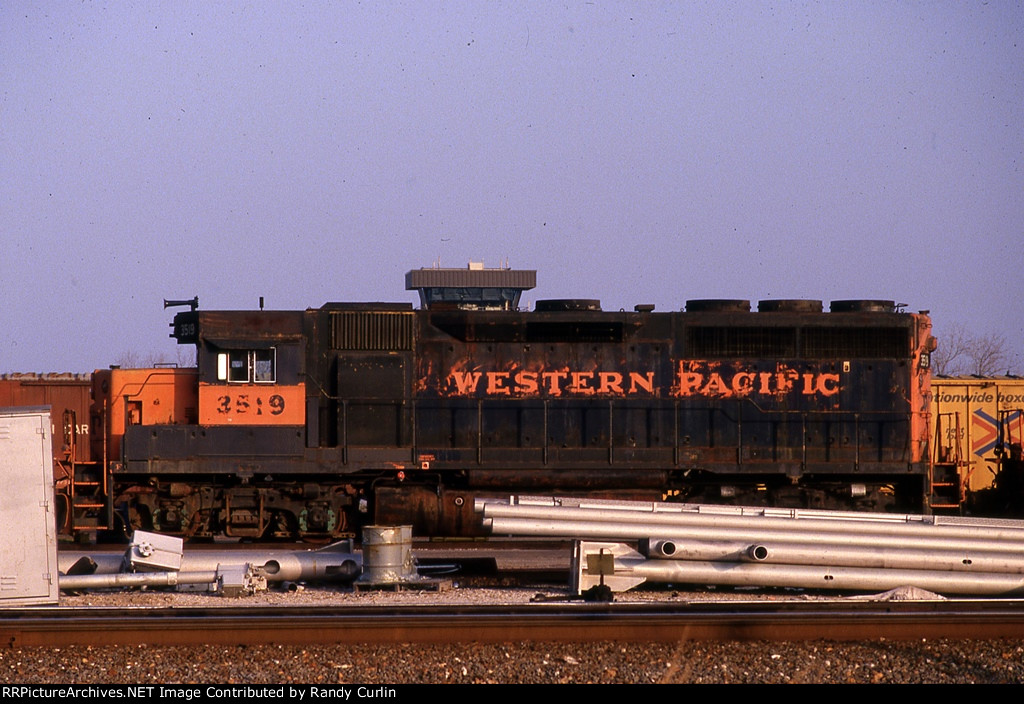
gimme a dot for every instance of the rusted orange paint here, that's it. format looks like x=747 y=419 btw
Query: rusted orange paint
x=732 y=380
x=701 y=378
x=527 y=383
x=252 y=404
x=126 y=397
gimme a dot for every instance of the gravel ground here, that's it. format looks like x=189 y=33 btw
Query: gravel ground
x=940 y=661
x=925 y=661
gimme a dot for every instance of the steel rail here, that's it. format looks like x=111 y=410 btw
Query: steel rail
x=830 y=620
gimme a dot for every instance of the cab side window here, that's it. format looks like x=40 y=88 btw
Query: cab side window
x=247 y=366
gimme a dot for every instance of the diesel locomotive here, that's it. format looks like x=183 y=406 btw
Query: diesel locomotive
x=311 y=423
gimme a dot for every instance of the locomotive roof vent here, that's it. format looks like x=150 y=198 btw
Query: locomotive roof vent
x=567 y=304
x=789 y=305
x=472 y=288
x=717 y=305
x=863 y=306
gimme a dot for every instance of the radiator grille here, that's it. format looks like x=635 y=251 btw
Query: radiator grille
x=364 y=330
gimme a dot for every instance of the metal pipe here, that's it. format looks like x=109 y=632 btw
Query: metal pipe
x=825 y=577
x=757 y=553
x=278 y=565
x=306 y=566
x=655 y=507
x=702 y=550
x=796 y=553
x=993 y=530
x=621 y=568
x=624 y=530
x=133 y=579
x=772 y=547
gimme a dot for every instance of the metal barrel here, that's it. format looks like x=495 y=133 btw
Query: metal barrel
x=387 y=554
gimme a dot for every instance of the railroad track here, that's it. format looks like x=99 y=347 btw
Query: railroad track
x=648 y=622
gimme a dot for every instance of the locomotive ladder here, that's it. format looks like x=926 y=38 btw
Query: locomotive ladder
x=947 y=477
x=88 y=505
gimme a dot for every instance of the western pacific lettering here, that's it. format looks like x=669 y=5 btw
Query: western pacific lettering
x=782 y=382
x=692 y=378
x=550 y=383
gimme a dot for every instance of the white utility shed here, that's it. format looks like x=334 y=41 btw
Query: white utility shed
x=28 y=531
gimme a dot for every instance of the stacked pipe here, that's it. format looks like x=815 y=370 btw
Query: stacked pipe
x=769 y=547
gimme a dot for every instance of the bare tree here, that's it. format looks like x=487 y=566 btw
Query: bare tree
x=987 y=355
x=948 y=357
x=959 y=352
x=135 y=360
x=129 y=359
x=185 y=356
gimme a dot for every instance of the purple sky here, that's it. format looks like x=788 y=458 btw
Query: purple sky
x=636 y=153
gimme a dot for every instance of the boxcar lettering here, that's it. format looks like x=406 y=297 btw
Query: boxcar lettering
x=973 y=397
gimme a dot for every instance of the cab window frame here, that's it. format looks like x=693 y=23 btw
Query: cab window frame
x=247 y=366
